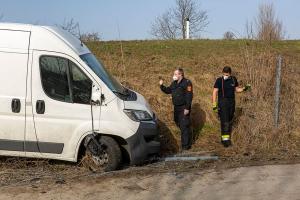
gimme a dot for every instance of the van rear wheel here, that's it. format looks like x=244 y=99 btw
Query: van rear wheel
x=109 y=160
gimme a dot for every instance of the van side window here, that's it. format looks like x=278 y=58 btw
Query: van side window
x=54 y=75
x=81 y=85
x=62 y=80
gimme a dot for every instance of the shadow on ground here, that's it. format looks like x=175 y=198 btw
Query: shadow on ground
x=198 y=118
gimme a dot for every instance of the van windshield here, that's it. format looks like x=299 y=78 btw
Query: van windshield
x=103 y=74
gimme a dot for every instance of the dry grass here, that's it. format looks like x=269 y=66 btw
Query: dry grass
x=253 y=62
x=255 y=132
x=24 y=171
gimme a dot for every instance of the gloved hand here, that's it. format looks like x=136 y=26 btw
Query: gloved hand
x=215 y=107
x=247 y=87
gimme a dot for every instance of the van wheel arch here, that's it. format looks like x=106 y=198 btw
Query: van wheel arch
x=120 y=141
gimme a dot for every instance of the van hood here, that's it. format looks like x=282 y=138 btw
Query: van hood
x=139 y=104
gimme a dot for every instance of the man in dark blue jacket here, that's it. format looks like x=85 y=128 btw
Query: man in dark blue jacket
x=182 y=95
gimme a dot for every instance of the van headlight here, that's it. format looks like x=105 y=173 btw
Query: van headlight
x=138 y=115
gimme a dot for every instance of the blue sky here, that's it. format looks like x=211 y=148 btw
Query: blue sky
x=134 y=17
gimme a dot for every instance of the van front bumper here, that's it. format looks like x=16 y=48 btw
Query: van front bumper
x=143 y=143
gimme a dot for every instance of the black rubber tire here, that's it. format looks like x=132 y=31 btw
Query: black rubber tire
x=114 y=155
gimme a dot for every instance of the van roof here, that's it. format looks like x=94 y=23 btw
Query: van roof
x=50 y=38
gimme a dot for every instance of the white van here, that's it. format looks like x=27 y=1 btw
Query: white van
x=48 y=80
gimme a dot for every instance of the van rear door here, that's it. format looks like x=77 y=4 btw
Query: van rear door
x=13 y=71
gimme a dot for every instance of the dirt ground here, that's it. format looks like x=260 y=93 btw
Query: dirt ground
x=222 y=179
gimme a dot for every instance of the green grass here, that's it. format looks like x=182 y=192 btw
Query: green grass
x=186 y=48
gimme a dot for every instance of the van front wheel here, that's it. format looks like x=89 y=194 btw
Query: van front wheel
x=109 y=160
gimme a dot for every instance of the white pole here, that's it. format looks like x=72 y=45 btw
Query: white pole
x=187 y=29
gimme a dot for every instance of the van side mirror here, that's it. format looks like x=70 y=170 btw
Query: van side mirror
x=96 y=95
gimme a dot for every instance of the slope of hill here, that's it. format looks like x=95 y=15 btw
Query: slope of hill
x=139 y=64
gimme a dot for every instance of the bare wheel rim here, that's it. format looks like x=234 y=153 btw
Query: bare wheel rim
x=96 y=163
x=101 y=160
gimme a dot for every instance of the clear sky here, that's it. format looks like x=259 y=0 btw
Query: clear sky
x=134 y=17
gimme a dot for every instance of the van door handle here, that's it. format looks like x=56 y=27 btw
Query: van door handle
x=40 y=106
x=16 y=105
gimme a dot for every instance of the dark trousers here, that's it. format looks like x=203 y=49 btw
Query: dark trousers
x=184 y=123
x=226 y=114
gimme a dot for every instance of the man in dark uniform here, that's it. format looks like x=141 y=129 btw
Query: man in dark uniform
x=224 y=89
x=182 y=95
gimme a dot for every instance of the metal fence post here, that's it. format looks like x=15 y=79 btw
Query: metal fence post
x=277 y=91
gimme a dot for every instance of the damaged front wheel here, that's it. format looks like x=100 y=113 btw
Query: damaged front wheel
x=109 y=159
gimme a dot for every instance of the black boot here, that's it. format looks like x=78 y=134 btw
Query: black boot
x=226 y=143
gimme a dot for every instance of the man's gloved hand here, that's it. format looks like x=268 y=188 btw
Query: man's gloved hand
x=247 y=87
x=215 y=107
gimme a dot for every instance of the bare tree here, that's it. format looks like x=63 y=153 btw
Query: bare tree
x=268 y=26
x=189 y=9
x=249 y=30
x=71 y=26
x=172 y=24
x=164 y=27
x=90 y=37
x=228 y=35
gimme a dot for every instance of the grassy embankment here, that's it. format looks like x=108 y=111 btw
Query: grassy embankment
x=203 y=60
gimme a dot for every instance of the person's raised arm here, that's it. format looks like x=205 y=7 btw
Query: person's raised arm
x=165 y=89
x=243 y=89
